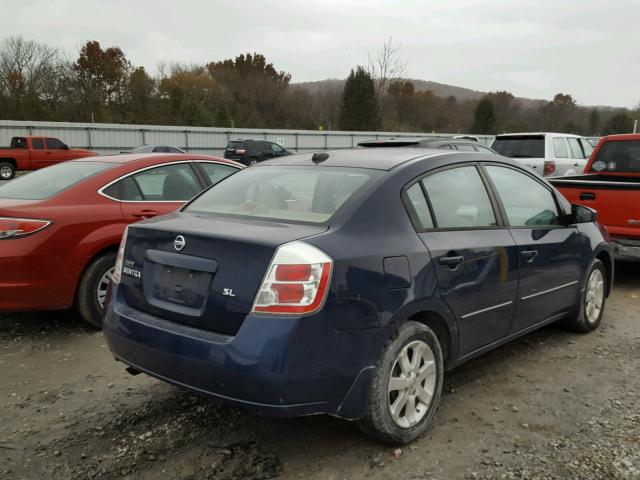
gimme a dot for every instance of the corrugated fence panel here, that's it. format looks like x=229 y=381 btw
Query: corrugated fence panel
x=114 y=138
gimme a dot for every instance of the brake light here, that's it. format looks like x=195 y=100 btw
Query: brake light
x=549 y=167
x=116 y=277
x=20 y=227
x=297 y=281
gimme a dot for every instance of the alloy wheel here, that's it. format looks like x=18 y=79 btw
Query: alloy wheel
x=594 y=297
x=411 y=384
x=103 y=286
x=5 y=173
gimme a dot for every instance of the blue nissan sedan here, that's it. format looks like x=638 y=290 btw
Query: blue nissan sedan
x=347 y=282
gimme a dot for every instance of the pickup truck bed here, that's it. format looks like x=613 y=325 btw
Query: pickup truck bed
x=612 y=189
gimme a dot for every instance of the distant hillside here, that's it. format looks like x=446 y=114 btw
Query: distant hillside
x=439 y=89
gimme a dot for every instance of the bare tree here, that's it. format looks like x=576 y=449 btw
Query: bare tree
x=387 y=64
x=30 y=67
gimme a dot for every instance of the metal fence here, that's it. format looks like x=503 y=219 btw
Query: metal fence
x=106 y=138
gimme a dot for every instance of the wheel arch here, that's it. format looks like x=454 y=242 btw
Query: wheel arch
x=607 y=260
x=106 y=249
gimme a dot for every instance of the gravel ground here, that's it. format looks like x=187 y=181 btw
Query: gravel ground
x=553 y=405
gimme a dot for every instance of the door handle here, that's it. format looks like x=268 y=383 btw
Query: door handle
x=452 y=261
x=145 y=214
x=587 y=196
x=529 y=255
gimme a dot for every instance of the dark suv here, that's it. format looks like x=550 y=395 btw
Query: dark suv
x=249 y=151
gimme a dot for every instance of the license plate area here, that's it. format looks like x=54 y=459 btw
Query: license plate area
x=176 y=289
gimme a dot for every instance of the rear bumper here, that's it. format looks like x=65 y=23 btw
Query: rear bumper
x=274 y=366
x=32 y=277
x=626 y=249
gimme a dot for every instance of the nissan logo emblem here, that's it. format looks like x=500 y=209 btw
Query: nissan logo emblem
x=179 y=243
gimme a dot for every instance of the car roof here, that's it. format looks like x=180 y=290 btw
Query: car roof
x=373 y=158
x=531 y=134
x=139 y=157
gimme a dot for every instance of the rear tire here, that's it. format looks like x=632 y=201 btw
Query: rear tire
x=7 y=171
x=92 y=289
x=588 y=314
x=406 y=386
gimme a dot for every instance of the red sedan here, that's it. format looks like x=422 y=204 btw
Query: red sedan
x=60 y=227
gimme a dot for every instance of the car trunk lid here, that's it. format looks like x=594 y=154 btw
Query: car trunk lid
x=202 y=270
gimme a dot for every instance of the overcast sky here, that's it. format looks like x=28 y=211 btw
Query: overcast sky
x=588 y=48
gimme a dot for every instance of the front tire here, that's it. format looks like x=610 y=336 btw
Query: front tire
x=93 y=287
x=590 y=310
x=7 y=171
x=406 y=386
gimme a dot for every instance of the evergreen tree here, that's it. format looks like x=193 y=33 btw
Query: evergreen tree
x=620 y=123
x=359 y=109
x=484 y=118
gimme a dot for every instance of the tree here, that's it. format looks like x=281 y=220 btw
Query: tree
x=101 y=78
x=555 y=115
x=484 y=118
x=140 y=97
x=594 y=122
x=359 y=109
x=385 y=66
x=620 y=123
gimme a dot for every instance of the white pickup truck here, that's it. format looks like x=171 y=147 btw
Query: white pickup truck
x=548 y=154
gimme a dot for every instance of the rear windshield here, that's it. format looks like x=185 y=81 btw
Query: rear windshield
x=530 y=146
x=622 y=156
x=305 y=194
x=235 y=144
x=52 y=180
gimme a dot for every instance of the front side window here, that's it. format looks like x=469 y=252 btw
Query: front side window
x=276 y=148
x=587 y=148
x=459 y=199
x=303 y=194
x=560 y=148
x=574 y=146
x=527 y=203
x=54 y=144
x=418 y=203
x=37 y=144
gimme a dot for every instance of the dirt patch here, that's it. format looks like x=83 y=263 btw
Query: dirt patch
x=552 y=405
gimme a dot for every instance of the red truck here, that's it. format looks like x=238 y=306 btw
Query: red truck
x=31 y=153
x=611 y=186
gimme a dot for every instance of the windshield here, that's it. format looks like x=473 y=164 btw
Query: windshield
x=304 y=194
x=531 y=146
x=621 y=156
x=52 y=180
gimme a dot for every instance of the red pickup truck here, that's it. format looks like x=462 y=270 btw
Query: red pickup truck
x=31 y=153
x=611 y=186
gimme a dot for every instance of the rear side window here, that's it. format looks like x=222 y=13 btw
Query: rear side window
x=37 y=144
x=520 y=146
x=527 y=203
x=54 y=144
x=303 y=194
x=560 y=148
x=419 y=207
x=621 y=156
x=167 y=183
x=50 y=181
x=459 y=199
x=216 y=172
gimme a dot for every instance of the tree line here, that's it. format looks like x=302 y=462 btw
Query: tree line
x=39 y=82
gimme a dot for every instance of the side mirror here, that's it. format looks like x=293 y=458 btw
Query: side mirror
x=582 y=214
x=66 y=147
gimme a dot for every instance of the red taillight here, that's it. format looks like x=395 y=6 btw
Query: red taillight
x=297 y=281
x=549 y=167
x=20 y=227
x=292 y=273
